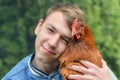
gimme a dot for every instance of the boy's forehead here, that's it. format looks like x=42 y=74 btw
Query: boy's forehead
x=58 y=15
x=57 y=18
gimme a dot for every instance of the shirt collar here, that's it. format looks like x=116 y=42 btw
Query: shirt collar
x=36 y=71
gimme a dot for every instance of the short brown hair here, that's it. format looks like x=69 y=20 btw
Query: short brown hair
x=71 y=11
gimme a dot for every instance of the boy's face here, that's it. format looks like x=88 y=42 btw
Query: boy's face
x=52 y=37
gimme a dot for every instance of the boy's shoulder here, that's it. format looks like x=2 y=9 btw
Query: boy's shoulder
x=19 y=69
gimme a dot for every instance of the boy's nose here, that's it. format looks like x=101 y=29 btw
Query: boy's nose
x=54 y=41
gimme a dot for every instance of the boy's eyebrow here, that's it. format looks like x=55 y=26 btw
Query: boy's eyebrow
x=67 y=37
x=52 y=26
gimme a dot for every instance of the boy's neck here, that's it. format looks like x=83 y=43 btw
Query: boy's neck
x=47 y=68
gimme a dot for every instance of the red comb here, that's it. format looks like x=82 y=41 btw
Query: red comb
x=74 y=26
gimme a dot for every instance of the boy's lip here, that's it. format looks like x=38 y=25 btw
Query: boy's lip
x=48 y=51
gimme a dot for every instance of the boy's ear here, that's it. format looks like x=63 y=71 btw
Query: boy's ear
x=36 y=31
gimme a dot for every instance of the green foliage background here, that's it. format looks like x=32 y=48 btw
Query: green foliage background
x=18 y=18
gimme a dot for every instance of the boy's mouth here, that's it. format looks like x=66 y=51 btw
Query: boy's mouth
x=48 y=51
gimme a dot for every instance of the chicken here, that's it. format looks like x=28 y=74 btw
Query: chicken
x=80 y=47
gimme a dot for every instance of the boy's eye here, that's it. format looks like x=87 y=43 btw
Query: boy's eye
x=65 y=40
x=50 y=30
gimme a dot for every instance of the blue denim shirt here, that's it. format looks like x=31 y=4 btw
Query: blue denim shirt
x=22 y=71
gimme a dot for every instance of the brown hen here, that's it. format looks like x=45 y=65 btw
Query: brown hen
x=80 y=47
